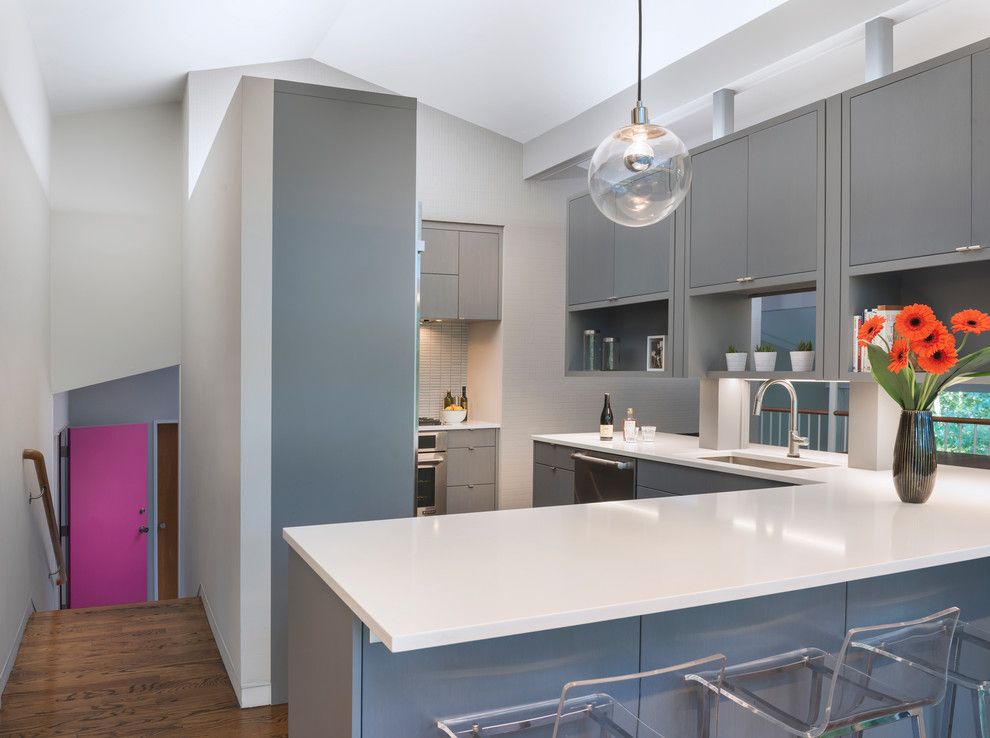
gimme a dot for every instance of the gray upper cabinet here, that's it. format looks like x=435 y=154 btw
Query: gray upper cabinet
x=440 y=256
x=478 y=285
x=438 y=296
x=642 y=259
x=783 y=232
x=981 y=149
x=909 y=160
x=719 y=205
x=590 y=253
x=461 y=272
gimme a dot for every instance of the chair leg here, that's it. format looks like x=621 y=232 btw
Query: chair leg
x=982 y=719
x=918 y=723
x=946 y=711
x=704 y=713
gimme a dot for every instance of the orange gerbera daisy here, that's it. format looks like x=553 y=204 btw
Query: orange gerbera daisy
x=938 y=337
x=940 y=360
x=915 y=322
x=898 y=355
x=970 y=321
x=871 y=329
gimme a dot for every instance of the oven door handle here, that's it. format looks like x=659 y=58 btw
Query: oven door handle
x=620 y=465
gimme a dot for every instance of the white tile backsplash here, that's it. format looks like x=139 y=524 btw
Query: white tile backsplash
x=443 y=351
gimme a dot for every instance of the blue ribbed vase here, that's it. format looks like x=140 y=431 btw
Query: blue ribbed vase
x=914 y=456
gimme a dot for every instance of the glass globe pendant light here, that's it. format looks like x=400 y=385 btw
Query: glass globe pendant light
x=642 y=172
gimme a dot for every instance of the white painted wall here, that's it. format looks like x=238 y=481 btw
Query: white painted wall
x=25 y=397
x=116 y=242
x=226 y=390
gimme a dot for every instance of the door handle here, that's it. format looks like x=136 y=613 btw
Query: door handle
x=143 y=529
x=620 y=465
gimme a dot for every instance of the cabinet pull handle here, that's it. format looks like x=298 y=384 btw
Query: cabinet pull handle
x=976 y=247
x=470 y=448
x=962 y=248
x=613 y=298
x=470 y=486
x=966 y=249
x=740 y=279
x=553 y=468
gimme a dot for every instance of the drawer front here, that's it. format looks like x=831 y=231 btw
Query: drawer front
x=552 y=486
x=645 y=493
x=550 y=454
x=472 y=465
x=684 y=480
x=467 y=438
x=470 y=498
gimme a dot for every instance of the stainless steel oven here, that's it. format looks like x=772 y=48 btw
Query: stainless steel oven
x=431 y=474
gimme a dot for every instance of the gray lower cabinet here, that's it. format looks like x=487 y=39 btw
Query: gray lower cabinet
x=909 y=165
x=642 y=259
x=719 y=207
x=438 y=296
x=461 y=272
x=658 y=478
x=784 y=197
x=471 y=470
x=552 y=485
x=590 y=252
x=478 y=276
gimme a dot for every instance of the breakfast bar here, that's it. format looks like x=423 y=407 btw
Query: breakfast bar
x=397 y=623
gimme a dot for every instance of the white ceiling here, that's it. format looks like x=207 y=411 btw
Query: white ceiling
x=518 y=67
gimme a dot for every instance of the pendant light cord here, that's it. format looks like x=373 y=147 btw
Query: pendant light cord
x=639 y=59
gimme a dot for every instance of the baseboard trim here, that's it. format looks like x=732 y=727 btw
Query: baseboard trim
x=8 y=664
x=248 y=695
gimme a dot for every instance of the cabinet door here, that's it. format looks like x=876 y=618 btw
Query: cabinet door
x=642 y=258
x=719 y=206
x=981 y=149
x=590 y=250
x=470 y=498
x=440 y=256
x=783 y=233
x=552 y=486
x=909 y=166
x=478 y=276
x=471 y=465
x=438 y=296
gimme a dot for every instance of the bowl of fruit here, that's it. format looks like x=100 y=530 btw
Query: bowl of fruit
x=453 y=414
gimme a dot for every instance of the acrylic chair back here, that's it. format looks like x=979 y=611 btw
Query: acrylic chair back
x=649 y=704
x=882 y=669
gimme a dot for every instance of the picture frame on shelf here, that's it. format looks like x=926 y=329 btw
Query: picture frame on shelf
x=656 y=353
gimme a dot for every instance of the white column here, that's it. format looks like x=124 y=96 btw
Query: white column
x=723 y=113
x=873 y=419
x=879 y=48
x=724 y=414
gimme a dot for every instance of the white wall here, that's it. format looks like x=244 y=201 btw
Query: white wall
x=226 y=390
x=26 y=409
x=116 y=243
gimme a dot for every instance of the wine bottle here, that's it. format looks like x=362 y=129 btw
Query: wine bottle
x=464 y=400
x=605 y=428
x=448 y=401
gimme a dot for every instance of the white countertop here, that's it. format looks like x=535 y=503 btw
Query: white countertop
x=425 y=582
x=466 y=425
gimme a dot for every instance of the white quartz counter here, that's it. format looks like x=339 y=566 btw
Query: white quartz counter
x=424 y=582
x=466 y=425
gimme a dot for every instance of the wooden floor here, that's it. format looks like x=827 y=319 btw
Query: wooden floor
x=135 y=670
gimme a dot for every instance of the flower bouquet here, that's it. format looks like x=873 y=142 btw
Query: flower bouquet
x=921 y=343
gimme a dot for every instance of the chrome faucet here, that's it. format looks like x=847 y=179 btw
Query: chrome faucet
x=794 y=439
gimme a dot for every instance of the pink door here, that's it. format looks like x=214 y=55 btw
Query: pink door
x=108 y=497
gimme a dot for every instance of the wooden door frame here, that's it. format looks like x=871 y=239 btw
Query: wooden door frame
x=153 y=516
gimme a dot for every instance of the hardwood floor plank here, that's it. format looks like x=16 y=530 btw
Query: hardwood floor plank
x=150 y=669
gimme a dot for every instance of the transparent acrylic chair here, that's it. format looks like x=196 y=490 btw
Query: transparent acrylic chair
x=652 y=704
x=881 y=674
x=969 y=670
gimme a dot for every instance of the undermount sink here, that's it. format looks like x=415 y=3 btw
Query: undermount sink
x=763 y=463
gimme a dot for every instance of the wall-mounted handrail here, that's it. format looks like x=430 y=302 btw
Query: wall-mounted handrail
x=30 y=454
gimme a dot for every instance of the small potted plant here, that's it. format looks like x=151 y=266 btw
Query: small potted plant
x=803 y=359
x=735 y=360
x=764 y=358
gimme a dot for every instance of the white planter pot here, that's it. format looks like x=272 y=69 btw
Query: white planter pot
x=764 y=361
x=802 y=361
x=736 y=362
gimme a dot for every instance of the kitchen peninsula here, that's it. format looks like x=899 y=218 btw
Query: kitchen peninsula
x=396 y=623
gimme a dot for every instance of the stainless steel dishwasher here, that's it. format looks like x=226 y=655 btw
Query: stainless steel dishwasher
x=601 y=477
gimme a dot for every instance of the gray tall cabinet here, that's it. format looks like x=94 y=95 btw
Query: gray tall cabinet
x=343 y=318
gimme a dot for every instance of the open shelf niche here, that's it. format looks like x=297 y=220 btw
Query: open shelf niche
x=744 y=318
x=948 y=289
x=631 y=324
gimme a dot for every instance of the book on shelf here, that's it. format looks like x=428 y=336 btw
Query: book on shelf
x=861 y=357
